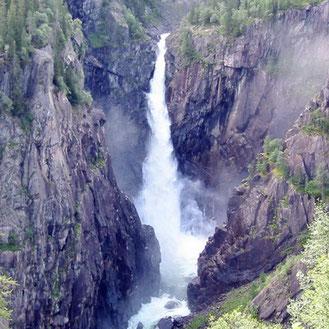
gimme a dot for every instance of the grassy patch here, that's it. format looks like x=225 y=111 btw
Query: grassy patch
x=198 y=322
x=242 y=297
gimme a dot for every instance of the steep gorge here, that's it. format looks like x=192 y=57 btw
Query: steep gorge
x=74 y=241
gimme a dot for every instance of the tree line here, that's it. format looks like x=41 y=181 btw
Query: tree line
x=233 y=16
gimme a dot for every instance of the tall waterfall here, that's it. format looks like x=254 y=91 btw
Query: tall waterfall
x=159 y=205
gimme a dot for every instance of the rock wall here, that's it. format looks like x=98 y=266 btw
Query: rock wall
x=266 y=218
x=71 y=238
x=238 y=90
x=118 y=72
x=118 y=69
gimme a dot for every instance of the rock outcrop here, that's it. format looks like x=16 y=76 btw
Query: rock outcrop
x=266 y=216
x=70 y=237
x=237 y=91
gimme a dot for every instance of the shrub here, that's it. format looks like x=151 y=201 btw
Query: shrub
x=318 y=124
x=136 y=29
x=74 y=82
x=311 y=310
x=41 y=35
x=240 y=320
x=40 y=18
x=6 y=103
x=6 y=288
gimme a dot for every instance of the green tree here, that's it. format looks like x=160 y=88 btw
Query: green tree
x=6 y=288
x=311 y=310
x=3 y=13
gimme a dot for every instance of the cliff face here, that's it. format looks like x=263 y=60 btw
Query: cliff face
x=266 y=219
x=237 y=91
x=71 y=238
x=118 y=67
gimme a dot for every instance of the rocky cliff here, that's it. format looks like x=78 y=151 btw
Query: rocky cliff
x=268 y=216
x=70 y=237
x=118 y=67
x=234 y=91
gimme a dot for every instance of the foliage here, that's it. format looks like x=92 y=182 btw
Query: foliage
x=6 y=103
x=136 y=29
x=73 y=81
x=317 y=187
x=241 y=298
x=98 y=40
x=271 y=147
x=187 y=48
x=318 y=124
x=197 y=322
x=274 y=157
x=138 y=9
x=6 y=288
x=26 y=25
x=13 y=243
x=233 y=16
x=312 y=309
x=240 y=320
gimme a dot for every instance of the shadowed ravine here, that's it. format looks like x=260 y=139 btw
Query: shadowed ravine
x=159 y=204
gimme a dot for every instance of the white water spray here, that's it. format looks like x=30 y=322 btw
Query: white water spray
x=159 y=205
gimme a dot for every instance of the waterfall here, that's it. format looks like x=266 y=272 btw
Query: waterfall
x=159 y=204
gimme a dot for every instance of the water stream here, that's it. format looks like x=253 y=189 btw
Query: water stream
x=160 y=205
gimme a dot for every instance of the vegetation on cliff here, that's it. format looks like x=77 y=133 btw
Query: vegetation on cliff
x=311 y=310
x=273 y=159
x=6 y=287
x=232 y=17
x=28 y=25
x=308 y=311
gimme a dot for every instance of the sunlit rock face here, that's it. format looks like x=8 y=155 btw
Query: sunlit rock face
x=241 y=90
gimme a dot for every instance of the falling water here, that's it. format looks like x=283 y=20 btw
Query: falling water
x=159 y=205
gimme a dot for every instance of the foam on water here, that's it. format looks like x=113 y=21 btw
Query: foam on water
x=159 y=205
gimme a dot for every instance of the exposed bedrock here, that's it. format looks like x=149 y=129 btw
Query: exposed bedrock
x=118 y=72
x=239 y=90
x=71 y=238
x=266 y=220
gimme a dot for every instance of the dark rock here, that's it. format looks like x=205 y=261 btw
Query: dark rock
x=166 y=323
x=272 y=302
x=140 y=326
x=172 y=304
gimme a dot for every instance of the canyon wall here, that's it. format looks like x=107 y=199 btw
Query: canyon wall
x=235 y=91
x=70 y=237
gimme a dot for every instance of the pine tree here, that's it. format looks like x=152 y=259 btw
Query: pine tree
x=3 y=14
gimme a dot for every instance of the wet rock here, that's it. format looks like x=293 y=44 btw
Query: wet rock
x=172 y=304
x=166 y=323
x=140 y=326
